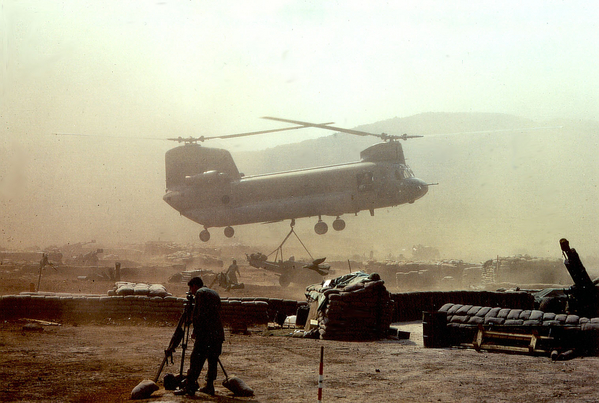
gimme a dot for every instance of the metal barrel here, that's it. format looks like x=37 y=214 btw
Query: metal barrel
x=434 y=329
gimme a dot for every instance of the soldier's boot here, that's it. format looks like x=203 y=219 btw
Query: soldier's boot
x=208 y=389
x=187 y=389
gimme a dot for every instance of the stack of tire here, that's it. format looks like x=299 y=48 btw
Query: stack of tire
x=360 y=311
x=240 y=313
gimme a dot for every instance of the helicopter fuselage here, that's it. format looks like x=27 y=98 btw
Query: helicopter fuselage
x=216 y=195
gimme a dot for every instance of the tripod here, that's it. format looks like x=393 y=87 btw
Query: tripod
x=181 y=336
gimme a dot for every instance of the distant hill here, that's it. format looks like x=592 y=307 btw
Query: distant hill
x=517 y=187
x=336 y=148
x=500 y=192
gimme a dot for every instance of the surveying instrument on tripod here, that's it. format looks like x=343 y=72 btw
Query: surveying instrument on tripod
x=181 y=336
x=178 y=383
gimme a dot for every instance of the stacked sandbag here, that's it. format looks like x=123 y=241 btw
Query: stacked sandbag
x=88 y=307
x=359 y=311
x=567 y=331
x=127 y=288
x=256 y=311
x=458 y=314
x=410 y=305
x=279 y=309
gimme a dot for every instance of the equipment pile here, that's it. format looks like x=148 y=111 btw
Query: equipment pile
x=356 y=306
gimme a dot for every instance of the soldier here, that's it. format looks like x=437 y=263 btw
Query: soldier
x=231 y=276
x=208 y=334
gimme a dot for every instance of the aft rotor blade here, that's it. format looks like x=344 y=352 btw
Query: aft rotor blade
x=383 y=136
x=518 y=129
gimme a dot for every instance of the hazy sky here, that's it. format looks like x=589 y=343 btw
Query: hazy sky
x=187 y=68
x=141 y=68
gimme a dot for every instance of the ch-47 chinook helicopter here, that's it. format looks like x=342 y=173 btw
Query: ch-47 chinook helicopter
x=204 y=184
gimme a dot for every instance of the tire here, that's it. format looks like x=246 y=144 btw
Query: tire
x=204 y=236
x=284 y=280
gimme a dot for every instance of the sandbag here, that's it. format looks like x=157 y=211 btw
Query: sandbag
x=141 y=289
x=144 y=389
x=123 y=288
x=237 y=386
x=157 y=290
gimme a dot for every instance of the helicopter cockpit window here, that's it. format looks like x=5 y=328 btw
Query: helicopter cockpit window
x=403 y=174
x=365 y=181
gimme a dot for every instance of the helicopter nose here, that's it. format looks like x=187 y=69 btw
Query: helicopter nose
x=412 y=189
x=173 y=199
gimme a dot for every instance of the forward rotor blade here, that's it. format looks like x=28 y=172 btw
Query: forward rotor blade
x=107 y=136
x=228 y=136
x=195 y=139
x=322 y=126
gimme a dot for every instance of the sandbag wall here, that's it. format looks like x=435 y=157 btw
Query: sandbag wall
x=83 y=308
x=88 y=308
x=361 y=311
x=244 y=309
x=409 y=306
x=458 y=314
x=570 y=331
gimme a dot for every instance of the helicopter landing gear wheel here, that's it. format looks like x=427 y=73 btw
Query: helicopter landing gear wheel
x=338 y=224
x=205 y=236
x=321 y=227
x=229 y=232
x=284 y=280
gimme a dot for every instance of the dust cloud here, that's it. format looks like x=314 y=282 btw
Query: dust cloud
x=499 y=193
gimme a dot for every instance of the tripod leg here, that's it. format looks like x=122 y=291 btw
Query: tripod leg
x=184 y=347
x=223 y=368
x=161 y=368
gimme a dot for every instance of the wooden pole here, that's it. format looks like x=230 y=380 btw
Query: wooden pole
x=320 y=376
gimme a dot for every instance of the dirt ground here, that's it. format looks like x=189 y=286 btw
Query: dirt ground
x=103 y=362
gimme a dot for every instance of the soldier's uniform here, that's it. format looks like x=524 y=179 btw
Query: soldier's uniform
x=209 y=336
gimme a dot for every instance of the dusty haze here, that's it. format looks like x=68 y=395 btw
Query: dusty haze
x=126 y=73
x=499 y=193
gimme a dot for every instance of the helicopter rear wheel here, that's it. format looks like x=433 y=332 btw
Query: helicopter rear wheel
x=205 y=236
x=321 y=228
x=284 y=280
x=229 y=232
x=338 y=224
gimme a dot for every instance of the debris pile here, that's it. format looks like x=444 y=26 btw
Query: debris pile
x=356 y=306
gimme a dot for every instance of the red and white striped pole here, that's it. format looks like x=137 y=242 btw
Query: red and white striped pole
x=320 y=377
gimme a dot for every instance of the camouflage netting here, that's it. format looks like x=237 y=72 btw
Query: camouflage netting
x=352 y=307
